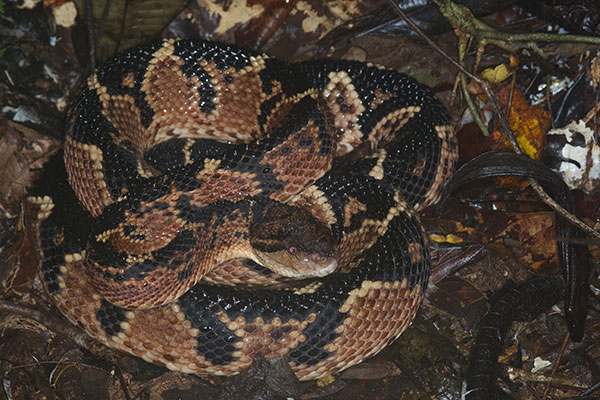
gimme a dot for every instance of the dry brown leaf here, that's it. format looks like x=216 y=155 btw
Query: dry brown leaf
x=22 y=151
x=529 y=123
x=536 y=232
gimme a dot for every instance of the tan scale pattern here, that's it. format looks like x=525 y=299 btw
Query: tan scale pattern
x=446 y=165
x=165 y=284
x=304 y=166
x=299 y=165
x=377 y=171
x=159 y=335
x=272 y=339
x=352 y=208
x=359 y=240
x=391 y=122
x=377 y=314
x=163 y=336
x=416 y=252
x=84 y=161
x=122 y=113
x=297 y=168
x=78 y=301
x=380 y=98
x=158 y=229
x=235 y=273
x=311 y=198
x=129 y=80
x=238 y=102
x=345 y=106
x=224 y=184
x=420 y=167
x=187 y=152
x=44 y=204
x=309 y=288
x=84 y=166
x=283 y=106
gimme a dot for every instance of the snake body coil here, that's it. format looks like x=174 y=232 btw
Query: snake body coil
x=155 y=191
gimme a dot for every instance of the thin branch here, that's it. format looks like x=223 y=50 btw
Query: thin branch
x=557 y=363
x=462 y=19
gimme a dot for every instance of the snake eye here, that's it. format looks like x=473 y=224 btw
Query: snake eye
x=292 y=250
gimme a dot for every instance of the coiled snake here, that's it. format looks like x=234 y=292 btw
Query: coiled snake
x=201 y=166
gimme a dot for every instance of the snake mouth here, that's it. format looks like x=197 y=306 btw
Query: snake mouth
x=297 y=264
x=315 y=265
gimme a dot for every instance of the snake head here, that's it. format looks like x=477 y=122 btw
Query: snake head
x=292 y=242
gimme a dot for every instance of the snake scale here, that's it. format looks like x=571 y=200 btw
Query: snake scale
x=179 y=153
